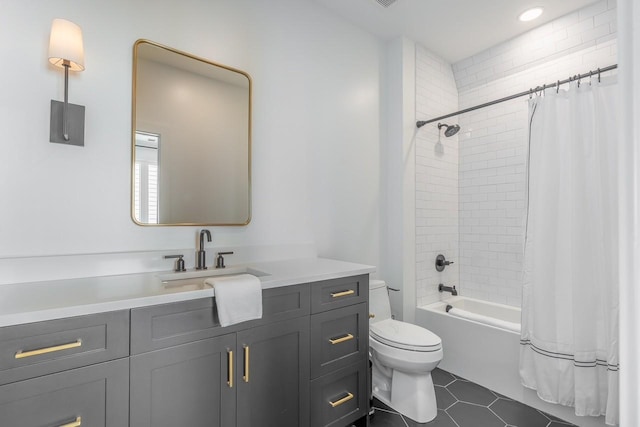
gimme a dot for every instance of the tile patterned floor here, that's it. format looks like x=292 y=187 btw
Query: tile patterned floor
x=462 y=403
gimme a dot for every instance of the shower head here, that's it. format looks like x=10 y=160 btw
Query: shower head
x=450 y=129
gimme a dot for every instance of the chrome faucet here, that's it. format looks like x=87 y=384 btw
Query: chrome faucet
x=443 y=288
x=201 y=255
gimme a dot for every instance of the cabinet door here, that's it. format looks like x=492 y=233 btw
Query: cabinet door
x=187 y=385
x=273 y=375
x=96 y=396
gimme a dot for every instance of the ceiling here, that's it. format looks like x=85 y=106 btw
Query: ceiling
x=453 y=29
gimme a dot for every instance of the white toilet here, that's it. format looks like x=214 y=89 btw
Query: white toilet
x=403 y=356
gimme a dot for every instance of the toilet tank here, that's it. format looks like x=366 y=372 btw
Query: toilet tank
x=379 y=304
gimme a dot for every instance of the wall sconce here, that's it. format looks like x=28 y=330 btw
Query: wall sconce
x=66 y=51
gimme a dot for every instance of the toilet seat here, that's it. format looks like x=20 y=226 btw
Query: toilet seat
x=405 y=336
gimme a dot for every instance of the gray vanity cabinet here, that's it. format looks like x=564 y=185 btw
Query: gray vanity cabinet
x=339 y=352
x=187 y=370
x=186 y=385
x=303 y=364
x=264 y=382
x=91 y=396
x=69 y=372
x=273 y=376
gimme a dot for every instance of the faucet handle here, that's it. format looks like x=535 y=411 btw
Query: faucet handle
x=441 y=262
x=179 y=264
x=220 y=259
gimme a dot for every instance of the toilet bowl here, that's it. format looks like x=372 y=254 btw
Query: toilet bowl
x=403 y=356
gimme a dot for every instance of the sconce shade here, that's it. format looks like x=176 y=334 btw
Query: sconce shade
x=65 y=43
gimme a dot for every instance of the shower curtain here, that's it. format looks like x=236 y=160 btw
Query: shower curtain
x=569 y=348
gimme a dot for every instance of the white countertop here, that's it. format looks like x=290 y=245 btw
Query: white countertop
x=39 y=301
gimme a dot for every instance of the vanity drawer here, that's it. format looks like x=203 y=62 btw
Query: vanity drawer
x=35 y=349
x=339 y=398
x=338 y=338
x=336 y=293
x=167 y=325
x=93 y=396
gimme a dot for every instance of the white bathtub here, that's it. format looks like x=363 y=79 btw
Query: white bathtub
x=483 y=312
x=482 y=344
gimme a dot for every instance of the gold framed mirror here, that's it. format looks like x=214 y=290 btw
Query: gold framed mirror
x=191 y=140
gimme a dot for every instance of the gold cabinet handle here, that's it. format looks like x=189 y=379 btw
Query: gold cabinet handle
x=245 y=377
x=342 y=293
x=230 y=368
x=339 y=402
x=22 y=354
x=76 y=423
x=335 y=341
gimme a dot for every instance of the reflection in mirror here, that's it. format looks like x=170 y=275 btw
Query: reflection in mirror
x=191 y=140
x=145 y=177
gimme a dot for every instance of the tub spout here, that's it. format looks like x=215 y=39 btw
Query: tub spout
x=443 y=288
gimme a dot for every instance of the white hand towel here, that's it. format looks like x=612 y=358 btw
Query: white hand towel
x=238 y=298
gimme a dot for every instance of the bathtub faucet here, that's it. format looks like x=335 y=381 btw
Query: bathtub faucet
x=452 y=289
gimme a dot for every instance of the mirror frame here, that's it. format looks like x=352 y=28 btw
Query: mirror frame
x=133 y=134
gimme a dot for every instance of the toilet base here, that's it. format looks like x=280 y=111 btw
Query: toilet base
x=412 y=395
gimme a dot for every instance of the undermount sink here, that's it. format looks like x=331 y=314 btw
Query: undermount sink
x=213 y=272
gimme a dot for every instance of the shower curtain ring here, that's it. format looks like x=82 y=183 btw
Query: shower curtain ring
x=579 y=79
x=544 y=88
x=558 y=87
x=590 y=74
x=530 y=93
x=598 y=75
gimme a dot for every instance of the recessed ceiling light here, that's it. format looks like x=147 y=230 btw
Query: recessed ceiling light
x=530 y=14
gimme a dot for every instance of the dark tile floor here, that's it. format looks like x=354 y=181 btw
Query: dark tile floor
x=462 y=403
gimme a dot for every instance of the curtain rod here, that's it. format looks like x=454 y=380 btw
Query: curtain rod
x=597 y=72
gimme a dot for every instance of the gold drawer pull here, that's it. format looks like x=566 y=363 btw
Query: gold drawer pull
x=76 y=423
x=342 y=294
x=230 y=368
x=22 y=354
x=245 y=377
x=341 y=339
x=339 y=402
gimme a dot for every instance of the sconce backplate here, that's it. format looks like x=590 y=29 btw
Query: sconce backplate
x=75 y=120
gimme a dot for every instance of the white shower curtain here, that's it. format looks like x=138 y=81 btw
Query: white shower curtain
x=569 y=348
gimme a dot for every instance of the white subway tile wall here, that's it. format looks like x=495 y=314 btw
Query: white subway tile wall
x=494 y=140
x=586 y=28
x=436 y=177
x=470 y=189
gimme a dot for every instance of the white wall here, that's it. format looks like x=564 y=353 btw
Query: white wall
x=316 y=129
x=399 y=239
x=629 y=217
x=436 y=180
x=493 y=140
